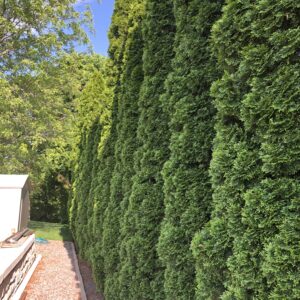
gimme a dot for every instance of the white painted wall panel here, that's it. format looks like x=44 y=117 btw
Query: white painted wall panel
x=10 y=200
x=13 y=181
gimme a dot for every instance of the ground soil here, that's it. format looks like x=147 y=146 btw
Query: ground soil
x=89 y=285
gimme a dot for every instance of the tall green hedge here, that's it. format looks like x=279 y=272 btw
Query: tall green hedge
x=95 y=101
x=87 y=167
x=125 y=145
x=187 y=189
x=152 y=170
x=128 y=143
x=146 y=200
x=241 y=252
x=99 y=255
x=101 y=196
x=81 y=185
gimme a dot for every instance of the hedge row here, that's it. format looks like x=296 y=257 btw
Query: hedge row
x=193 y=191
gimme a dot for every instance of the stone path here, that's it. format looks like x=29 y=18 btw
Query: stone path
x=55 y=277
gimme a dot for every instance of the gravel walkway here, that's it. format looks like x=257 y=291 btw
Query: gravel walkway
x=55 y=277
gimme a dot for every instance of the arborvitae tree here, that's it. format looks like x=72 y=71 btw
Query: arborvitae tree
x=117 y=36
x=94 y=104
x=102 y=192
x=96 y=99
x=87 y=161
x=102 y=195
x=145 y=210
x=281 y=255
x=272 y=109
x=126 y=144
x=133 y=78
x=186 y=180
x=255 y=164
x=101 y=256
x=76 y=198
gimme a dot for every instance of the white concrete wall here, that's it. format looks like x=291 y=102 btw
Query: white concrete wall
x=10 y=200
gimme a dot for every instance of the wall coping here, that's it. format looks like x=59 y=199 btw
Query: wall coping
x=9 y=257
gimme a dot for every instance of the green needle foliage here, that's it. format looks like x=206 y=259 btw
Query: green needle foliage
x=102 y=257
x=184 y=146
x=127 y=142
x=187 y=188
x=100 y=202
x=255 y=166
x=100 y=192
x=146 y=200
x=94 y=101
x=125 y=146
x=87 y=164
x=281 y=259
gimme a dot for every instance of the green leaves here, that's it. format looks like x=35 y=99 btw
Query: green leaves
x=146 y=199
x=38 y=30
x=191 y=191
x=187 y=190
x=121 y=181
x=254 y=163
x=36 y=128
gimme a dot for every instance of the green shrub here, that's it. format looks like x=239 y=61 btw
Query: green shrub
x=87 y=165
x=187 y=188
x=125 y=145
x=90 y=173
x=146 y=208
x=255 y=166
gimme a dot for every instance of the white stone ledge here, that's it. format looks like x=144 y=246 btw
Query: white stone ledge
x=21 y=288
x=10 y=257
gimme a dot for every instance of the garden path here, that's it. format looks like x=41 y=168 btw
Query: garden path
x=57 y=276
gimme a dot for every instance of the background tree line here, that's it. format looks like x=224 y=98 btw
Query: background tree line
x=42 y=79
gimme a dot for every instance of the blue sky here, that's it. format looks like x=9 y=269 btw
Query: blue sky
x=102 y=11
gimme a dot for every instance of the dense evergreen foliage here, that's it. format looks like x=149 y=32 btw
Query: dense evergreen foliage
x=87 y=163
x=203 y=148
x=124 y=148
x=255 y=166
x=98 y=254
x=95 y=98
x=187 y=189
x=146 y=199
x=180 y=152
x=103 y=194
